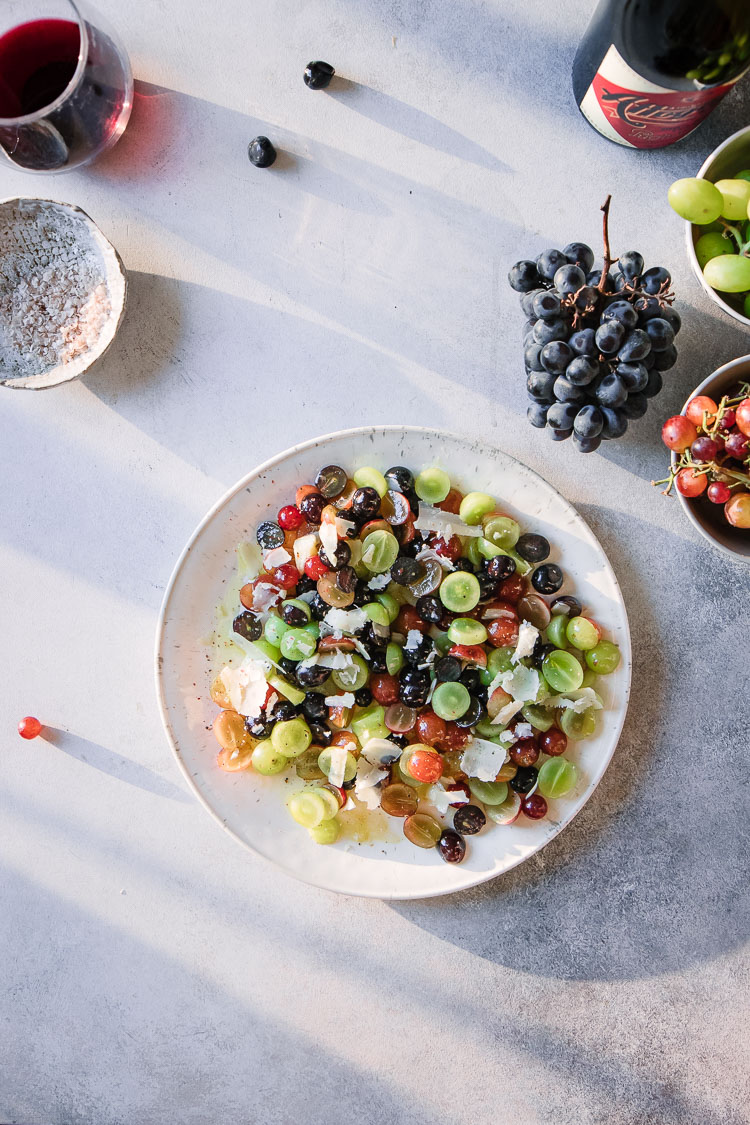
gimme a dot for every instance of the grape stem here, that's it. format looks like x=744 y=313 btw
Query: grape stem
x=608 y=259
x=734 y=232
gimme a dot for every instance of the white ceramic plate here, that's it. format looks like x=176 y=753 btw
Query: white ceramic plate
x=252 y=808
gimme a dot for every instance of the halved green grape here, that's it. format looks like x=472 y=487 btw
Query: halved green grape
x=697 y=201
x=379 y=551
x=589 y=678
x=354 y=676
x=266 y=759
x=306 y=764
x=603 y=658
x=736 y=196
x=422 y=830
x=475 y=505
x=312 y=628
x=459 y=591
x=371 y=478
x=578 y=726
x=432 y=486
x=369 y=724
x=556 y=631
x=289 y=691
x=473 y=552
x=582 y=633
x=394 y=658
x=557 y=776
x=487 y=550
x=274 y=630
x=500 y=660
x=377 y=613
x=307 y=808
x=541 y=718
x=485 y=729
x=298 y=644
x=390 y=605
x=327 y=832
x=428 y=579
x=450 y=700
x=324 y=761
x=467 y=631
x=264 y=650
x=502 y=531
x=562 y=671
x=442 y=643
x=291 y=737
x=489 y=792
x=507 y=811
x=712 y=245
x=729 y=273
x=329 y=798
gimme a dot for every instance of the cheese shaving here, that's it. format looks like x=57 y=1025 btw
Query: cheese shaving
x=527 y=638
x=265 y=596
x=430 y=553
x=329 y=540
x=367 y=778
x=305 y=548
x=276 y=557
x=413 y=639
x=506 y=713
x=438 y=796
x=483 y=759
x=345 y=700
x=346 y=620
x=338 y=765
x=444 y=524
x=379 y=581
x=576 y=701
x=246 y=687
x=521 y=684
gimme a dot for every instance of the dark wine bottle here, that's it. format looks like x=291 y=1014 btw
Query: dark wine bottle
x=647 y=72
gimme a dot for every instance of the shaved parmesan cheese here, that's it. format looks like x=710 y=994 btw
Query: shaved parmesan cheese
x=506 y=713
x=483 y=759
x=413 y=639
x=329 y=540
x=576 y=701
x=246 y=687
x=273 y=699
x=343 y=527
x=376 y=749
x=523 y=730
x=379 y=581
x=305 y=548
x=338 y=765
x=527 y=637
x=521 y=684
x=345 y=700
x=367 y=778
x=443 y=523
x=265 y=596
x=430 y=553
x=349 y=806
x=307 y=596
x=361 y=649
x=346 y=620
x=276 y=557
x=438 y=796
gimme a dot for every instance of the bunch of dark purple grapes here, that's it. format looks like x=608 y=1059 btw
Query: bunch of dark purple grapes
x=595 y=342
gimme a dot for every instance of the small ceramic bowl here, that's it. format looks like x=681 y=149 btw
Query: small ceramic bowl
x=730 y=157
x=707 y=517
x=62 y=293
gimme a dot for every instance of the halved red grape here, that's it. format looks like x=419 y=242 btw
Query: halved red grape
x=399 y=718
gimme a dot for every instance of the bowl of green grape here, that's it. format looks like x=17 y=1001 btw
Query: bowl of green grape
x=716 y=207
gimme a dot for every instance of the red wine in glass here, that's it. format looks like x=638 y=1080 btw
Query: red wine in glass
x=65 y=90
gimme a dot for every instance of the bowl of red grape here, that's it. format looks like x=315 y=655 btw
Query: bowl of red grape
x=710 y=458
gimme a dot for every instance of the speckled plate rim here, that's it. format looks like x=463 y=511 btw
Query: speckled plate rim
x=117 y=282
x=472 y=878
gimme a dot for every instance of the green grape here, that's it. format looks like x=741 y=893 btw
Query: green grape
x=486 y=729
x=274 y=630
x=539 y=717
x=712 y=245
x=589 y=678
x=369 y=724
x=443 y=642
x=324 y=763
x=736 y=196
x=489 y=792
x=306 y=765
x=432 y=486
x=379 y=551
x=390 y=605
x=394 y=658
x=578 y=726
x=307 y=808
x=312 y=628
x=354 y=677
x=500 y=660
x=459 y=591
x=582 y=633
x=502 y=531
x=298 y=644
x=377 y=613
x=450 y=700
x=266 y=759
x=291 y=737
x=562 y=671
x=746 y=305
x=467 y=631
x=327 y=832
x=603 y=658
x=556 y=631
x=473 y=551
x=371 y=478
x=474 y=506
x=729 y=273
x=743 y=175
x=283 y=687
x=487 y=550
x=329 y=799
x=264 y=650
x=557 y=776
x=697 y=201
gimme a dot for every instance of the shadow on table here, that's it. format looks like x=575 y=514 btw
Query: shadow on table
x=107 y=761
x=651 y=875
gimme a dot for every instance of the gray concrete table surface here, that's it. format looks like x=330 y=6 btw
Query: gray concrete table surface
x=152 y=970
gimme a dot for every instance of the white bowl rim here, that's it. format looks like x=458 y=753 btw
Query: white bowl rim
x=687 y=507
x=233 y=490
x=713 y=294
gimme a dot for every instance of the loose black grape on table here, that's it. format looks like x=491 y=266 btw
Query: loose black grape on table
x=595 y=341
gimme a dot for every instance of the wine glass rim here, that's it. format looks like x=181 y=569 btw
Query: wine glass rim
x=83 y=50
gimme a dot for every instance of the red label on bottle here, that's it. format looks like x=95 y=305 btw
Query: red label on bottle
x=635 y=112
